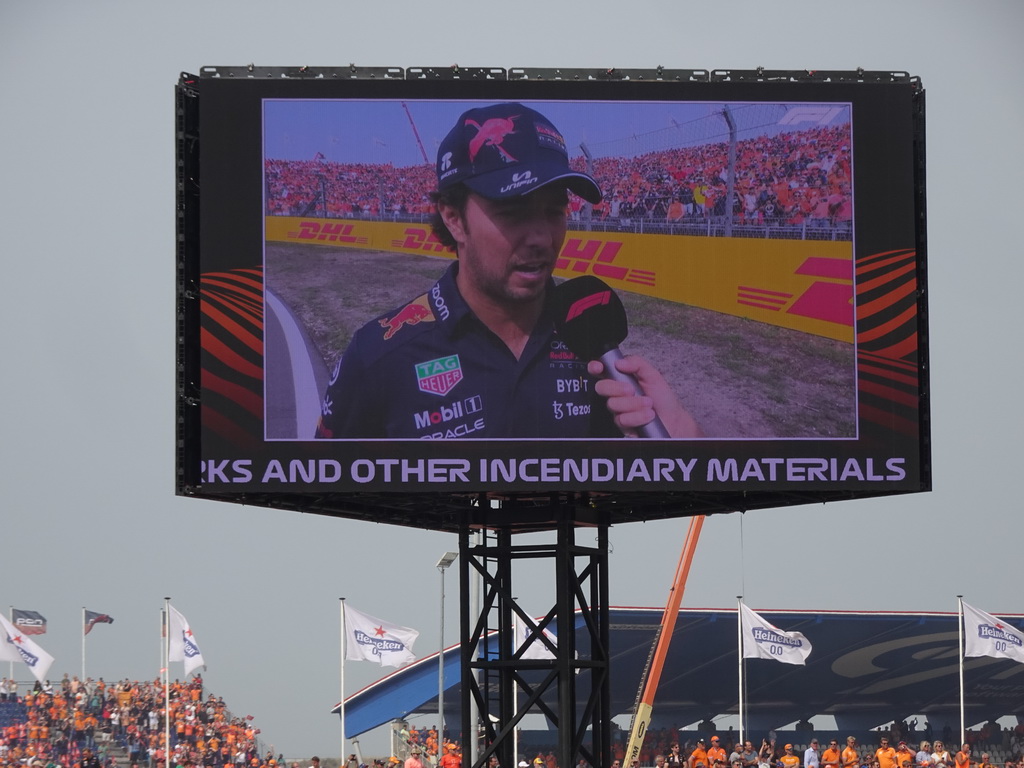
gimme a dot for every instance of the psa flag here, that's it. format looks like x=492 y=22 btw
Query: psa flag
x=92 y=619
x=182 y=643
x=761 y=640
x=985 y=635
x=29 y=622
x=370 y=639
x=16 y=647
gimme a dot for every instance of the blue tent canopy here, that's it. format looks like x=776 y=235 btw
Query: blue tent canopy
x=865 y=669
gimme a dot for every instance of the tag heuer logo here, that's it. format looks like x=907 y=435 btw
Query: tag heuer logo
x=439 y=377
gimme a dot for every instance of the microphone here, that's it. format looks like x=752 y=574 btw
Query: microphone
x=590 y=319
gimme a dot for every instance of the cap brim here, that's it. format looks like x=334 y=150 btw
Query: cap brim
x=497 y=185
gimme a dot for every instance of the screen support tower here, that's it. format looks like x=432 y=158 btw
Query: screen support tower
x=565 y=674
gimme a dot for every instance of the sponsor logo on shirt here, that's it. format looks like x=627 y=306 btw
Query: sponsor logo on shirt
x=439 y=377
x=561 y=357
x=562 y=410
x=448 y=412
x=416 y=311
x=442 y=307
x=559 y=351
x=459 y=430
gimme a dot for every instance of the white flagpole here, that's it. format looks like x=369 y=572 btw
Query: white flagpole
x=83 y=642
x=515 y=733
x=960 y=632
x=341 y=644
x=515 y=690
x=475 y=583
x=167 y=682
x=739 y=645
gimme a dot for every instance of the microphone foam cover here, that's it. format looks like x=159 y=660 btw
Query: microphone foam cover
x=589 y=316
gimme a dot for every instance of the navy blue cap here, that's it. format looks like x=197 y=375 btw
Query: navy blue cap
x=508 y=150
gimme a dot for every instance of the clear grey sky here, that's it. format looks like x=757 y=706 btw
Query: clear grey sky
x=87 y=324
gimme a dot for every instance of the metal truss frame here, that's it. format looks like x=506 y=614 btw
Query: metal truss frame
x=499 y=686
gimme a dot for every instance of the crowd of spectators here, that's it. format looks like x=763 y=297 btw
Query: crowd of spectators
x=75 y=725
x=347 y=190
x=788 y=179
x=794 y=179
x=898 y=747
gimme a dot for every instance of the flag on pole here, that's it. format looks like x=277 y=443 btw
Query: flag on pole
x=92 y=619
x=17 y=647
x=534 y=646
x=985 y=635
x=370 y=639
x=29 y=622
x=761 y=640
x=183 y=644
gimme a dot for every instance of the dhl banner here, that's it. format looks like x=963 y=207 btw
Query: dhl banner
x=806 y=285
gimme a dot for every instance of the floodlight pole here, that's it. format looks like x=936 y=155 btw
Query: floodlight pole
x=442 y=565
x=588 y=207
x=730 y=184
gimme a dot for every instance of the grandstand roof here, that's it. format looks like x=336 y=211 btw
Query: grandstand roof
x=865 y=669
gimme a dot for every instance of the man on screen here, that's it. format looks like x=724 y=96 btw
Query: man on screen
x=478 y=356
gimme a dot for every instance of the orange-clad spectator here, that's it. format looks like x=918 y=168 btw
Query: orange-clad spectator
x=451 y=757
x=885 y=754
x=905 y=757
x=699 y=755
x=716 y=754
x=830 y=758
x=789 y=759
x=850 y=756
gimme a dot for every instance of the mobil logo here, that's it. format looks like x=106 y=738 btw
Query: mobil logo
x=439 y=376
x=448 y=412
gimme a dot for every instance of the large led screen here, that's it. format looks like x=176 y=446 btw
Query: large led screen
x=404 y=287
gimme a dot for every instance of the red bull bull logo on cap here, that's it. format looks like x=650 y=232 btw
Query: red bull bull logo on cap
x=491 y=134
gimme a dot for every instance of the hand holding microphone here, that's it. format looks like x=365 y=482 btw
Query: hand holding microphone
x=591 y=320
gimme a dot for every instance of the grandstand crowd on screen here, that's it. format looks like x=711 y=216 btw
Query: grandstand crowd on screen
x=90 y=723
x=795 y=180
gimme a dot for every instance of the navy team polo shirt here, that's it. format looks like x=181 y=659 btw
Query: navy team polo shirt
x=432 y=370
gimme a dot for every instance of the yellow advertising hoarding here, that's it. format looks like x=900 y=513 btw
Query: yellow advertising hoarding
x=806 y=285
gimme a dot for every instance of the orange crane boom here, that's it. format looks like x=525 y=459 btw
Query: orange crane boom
x=649 y=683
